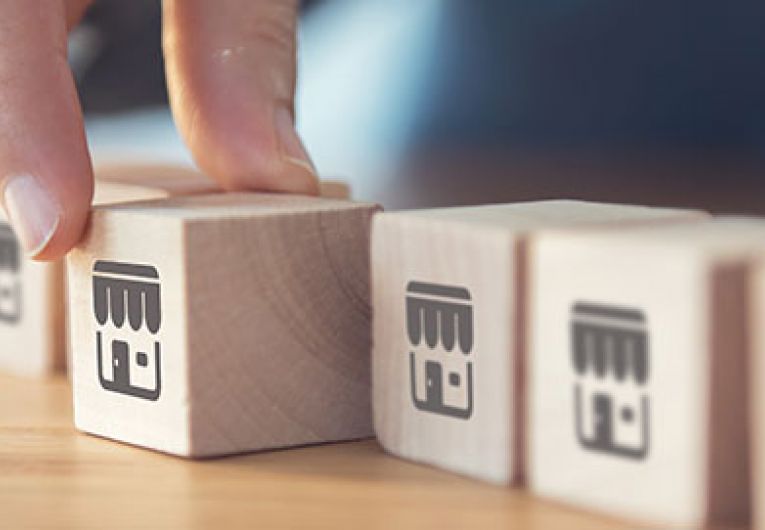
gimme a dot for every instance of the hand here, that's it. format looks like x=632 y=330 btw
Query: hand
x=231 y=79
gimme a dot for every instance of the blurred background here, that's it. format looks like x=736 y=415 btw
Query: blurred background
x=438 y=102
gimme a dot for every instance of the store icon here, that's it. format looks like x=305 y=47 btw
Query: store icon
x=126 y=306
x=10 y=277
x=440 y=321
x=610 y=355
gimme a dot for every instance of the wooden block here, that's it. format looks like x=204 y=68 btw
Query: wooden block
x=757 y=393
x=175 y=180
x=34 y=336
x=217 y=324
x=334 y=189
x=637 y=380
x=450 y=395
x=32 y=308
x=124 y=183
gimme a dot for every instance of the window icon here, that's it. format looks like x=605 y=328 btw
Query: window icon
x=126 y=306
x=610 y=355
x=439 y=319
x=10 y=279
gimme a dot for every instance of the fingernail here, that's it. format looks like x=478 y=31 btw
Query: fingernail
x=293 y=151
x=33 y=213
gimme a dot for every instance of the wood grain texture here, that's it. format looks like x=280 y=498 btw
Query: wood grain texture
x=51 y=476
x=422 y=407
x=639 y=344
x=264 y=334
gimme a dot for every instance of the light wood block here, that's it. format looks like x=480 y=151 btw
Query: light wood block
x=32 y=312
x=33 y=334
x=128 y=183
x=334 y=189
x=217 y=324
x=757 y=392
x=637 y=380
x=450 y=395
x=171 y=178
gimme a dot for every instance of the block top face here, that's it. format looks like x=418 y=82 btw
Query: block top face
x=720 y=238
x=168 y=178
x=241 y=205
x=116 y=188
x=529 y=216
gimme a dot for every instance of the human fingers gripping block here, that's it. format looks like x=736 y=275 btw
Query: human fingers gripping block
x=637 y=385
x=219 y=324
x=448 y=299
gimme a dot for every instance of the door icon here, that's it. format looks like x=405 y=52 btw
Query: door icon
x=126 y=291
x=440 y=318
x=10 y=279
x=605 y=419
x=610 y=357
x=434 y=389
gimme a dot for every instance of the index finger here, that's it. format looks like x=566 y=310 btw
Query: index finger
x=45 y=171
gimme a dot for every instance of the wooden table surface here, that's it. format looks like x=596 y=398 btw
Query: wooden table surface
x=53 y=476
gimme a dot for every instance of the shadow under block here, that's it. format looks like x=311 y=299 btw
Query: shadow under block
x=448 y=295
x=637 y=385
x=219 y=324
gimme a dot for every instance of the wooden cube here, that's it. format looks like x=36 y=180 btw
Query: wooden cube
x=757 y=392
x=448 y=294
x=127 y=183
x=217 y=324
x=32 y=308
x=334 y=189
x=173 y=177
x=638 y=348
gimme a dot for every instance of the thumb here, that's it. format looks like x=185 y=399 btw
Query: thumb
x=231 y=79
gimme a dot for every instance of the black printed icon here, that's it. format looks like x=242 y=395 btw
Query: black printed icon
x=610 y=345
x=125 y=291
x=441 y=315
x=10 y=278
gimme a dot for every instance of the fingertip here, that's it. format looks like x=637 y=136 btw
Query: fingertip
x=231 y=81
x=46 y=225
x=254 y=154
x=66 y=235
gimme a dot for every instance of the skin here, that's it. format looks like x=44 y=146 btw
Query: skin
x=231 y=79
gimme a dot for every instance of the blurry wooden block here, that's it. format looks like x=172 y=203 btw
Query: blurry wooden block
x=31 y=310
x=448 y=294
x=216 y=324
x=637 y=381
